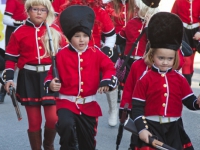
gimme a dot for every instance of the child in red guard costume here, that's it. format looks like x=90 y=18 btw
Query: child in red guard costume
x=79 y=66
x=120 y=11
x=28 y=47
x=138 y=69
x=103 y=25
x=128 y=35
x=159 y=94
x=189 y=12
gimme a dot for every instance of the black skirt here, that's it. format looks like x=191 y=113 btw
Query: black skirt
x=168 y=133
x=188 y=37
x=30 y=89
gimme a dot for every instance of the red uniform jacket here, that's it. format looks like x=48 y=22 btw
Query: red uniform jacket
x=188 y=11
x=15 y=9
x=130 y=33
x=120 y=20
x=163 y=93
x=103 y=25
x=138 y=69
x=79 y=74
x=25 y=46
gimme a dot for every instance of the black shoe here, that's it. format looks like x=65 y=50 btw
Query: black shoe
x=2 y=94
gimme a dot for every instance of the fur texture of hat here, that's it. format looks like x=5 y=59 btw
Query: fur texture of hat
x=165 y=30
x=77 y=18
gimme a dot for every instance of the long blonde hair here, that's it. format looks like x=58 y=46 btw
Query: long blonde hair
x=148 y=58
x=56 y=35
x=131 y=5
x=144 y=10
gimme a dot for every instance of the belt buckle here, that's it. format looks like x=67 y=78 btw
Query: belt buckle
x=161 y=122
x=78 y=98
x=38 y=70
x=189 y=26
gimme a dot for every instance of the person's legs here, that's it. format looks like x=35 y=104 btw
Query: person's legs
x=188 y=69
x=66 y=129
x=34 y=130
x=49 y=130
x=86 y=131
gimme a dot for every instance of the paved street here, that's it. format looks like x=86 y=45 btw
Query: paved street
x=13 y=134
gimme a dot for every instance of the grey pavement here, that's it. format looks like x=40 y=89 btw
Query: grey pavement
x=13 y=133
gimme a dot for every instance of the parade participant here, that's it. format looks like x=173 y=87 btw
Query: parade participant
x=156 y=111
x=103 y=25
x=120 y=11
x=138 y=69
x=128 y=35
x=189 y=12
x=14 y=16
x=77 y=108
x=28 y=47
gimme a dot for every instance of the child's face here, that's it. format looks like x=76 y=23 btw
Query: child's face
x=164 y=58
x=80 y=41
x=38 y=14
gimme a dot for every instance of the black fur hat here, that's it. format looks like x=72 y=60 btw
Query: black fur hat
x=77 y=18
x=165 y=30
x=151 y=3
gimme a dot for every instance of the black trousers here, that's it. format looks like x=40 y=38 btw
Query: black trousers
x=73 y=128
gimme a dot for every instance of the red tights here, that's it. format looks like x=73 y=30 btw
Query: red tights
x=35 y=117
x=188 y=65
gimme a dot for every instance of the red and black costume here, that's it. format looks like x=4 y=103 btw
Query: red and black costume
x=159 y=95
x=166 y=102
x=119 y=19
x=189 y=12
x=129 y=34
x=79 y=70
x=80 y=85
x=103 y=26
x=28 y=52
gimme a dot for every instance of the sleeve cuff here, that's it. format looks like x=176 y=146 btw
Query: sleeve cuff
x=141 y=123
x=112 y=83
x=8 y=74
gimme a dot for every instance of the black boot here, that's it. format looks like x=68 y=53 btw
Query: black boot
x=189 y=78
x=2 y=94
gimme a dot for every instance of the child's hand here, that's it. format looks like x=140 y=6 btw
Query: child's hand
x=144 y=135
x=8 y=84
x=54 y=86
x=196 y=36
x=103 y=89
x=198 y=101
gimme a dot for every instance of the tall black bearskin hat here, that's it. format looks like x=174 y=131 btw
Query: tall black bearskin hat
x=77 y=18
x=165 y=30
x=151 y=3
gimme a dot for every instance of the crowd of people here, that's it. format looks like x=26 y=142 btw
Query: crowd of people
x=71 y=52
